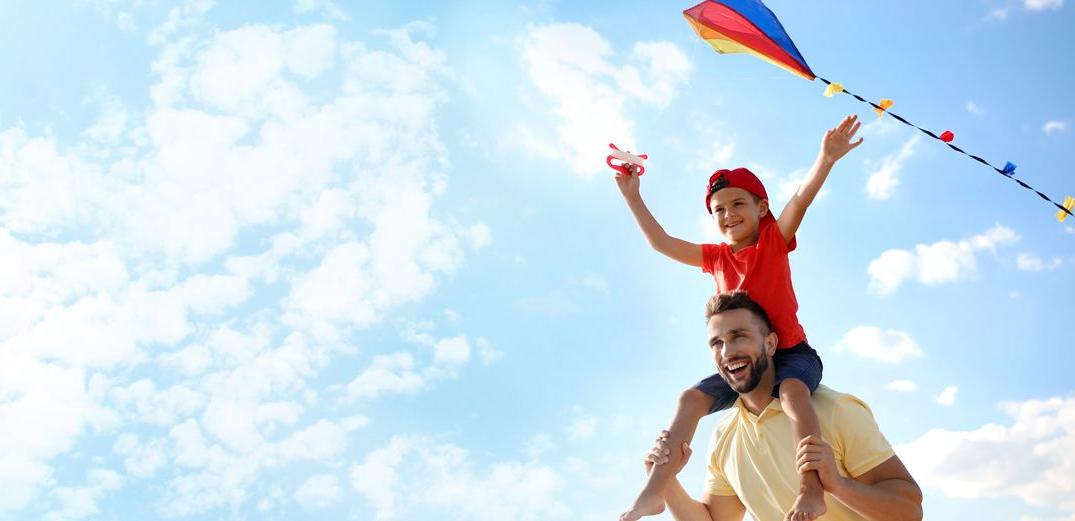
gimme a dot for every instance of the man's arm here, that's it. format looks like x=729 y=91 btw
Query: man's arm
x=836 y=144
x=886 y=492
x=712 y=508
x=677 y=249
x=682 y=506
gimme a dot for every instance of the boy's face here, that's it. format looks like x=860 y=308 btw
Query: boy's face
x=737 y=214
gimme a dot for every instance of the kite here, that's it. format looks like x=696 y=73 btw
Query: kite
x=749 y=27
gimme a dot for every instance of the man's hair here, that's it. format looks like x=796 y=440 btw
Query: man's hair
x=737 y=299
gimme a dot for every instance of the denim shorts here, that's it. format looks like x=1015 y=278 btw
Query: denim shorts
x=800 y=362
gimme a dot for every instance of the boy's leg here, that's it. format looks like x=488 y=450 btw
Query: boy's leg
x=693 y=405
x=795 y=400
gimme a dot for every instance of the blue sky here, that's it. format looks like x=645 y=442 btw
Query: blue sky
x=363 y=260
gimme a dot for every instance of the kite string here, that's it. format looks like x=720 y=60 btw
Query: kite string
x=953 y=147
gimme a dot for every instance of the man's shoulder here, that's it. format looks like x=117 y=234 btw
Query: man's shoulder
x=840 y=408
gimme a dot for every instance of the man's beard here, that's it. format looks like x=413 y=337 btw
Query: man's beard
x=758 y=368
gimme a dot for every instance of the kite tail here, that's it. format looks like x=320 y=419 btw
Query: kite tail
x=1008 y=171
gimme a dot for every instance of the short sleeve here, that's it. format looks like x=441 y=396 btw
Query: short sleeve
x=773 y=237
x=716 y=483
x=864 y=447
x=710 y=255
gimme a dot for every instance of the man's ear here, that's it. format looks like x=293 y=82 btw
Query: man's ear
x=771 y=341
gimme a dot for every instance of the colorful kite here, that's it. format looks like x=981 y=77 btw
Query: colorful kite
x=749 y=27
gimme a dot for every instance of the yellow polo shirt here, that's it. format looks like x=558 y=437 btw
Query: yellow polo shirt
x=753 y=457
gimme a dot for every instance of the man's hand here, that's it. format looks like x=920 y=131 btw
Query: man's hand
x=837 y=142
x=815 y=454
x=628 y=183
x=658 y=455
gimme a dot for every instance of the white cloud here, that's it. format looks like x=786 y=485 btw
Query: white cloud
x=488 y=353
x=413 y=473
x=973 y=108
x=789 y=185
x=539 y=444
x=46 y=407
x=327 y=7
x=947 y=397
x=888 y=346
x=318 y=491
x=388 y=374
x=905 y=386
x=452 y=352
x=1031 y=459
x=1054 y=127
x=939 y=263
x=183 y=17
x=134 y=261
x=111 y=123
x=376 y=478
x=710 y=158
x=1031 y=262
x=81 y=502
x=884 y=179
x=1042 y=5
x=142 y=459
x=570 y=65
x=583 y=427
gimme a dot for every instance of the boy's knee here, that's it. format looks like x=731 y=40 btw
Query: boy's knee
x=793 y=387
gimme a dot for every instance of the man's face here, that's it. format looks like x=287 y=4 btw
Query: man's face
x=740 y=349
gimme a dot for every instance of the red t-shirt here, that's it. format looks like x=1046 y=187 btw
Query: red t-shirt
x=762 y=270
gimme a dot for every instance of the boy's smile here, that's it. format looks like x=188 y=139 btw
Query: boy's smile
x=738 y=213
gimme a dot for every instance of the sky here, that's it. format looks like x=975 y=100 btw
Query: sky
x=364 y=260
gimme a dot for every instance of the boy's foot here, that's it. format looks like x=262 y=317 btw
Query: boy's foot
x=809 y=506
x=645 y=505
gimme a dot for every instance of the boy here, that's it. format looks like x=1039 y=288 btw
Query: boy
x=754 y=259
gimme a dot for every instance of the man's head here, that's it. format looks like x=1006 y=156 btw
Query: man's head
x=739 y=204
x=741 y=339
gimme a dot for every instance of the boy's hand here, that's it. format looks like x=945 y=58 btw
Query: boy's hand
x=815 y=454
x=628 y=183
x=837 y=142
x=659 y=454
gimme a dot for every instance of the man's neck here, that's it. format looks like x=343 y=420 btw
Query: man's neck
x=757 y=400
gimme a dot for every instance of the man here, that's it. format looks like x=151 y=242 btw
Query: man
x=753 y=466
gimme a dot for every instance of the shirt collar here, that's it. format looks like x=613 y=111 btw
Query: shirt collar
x=769 y=410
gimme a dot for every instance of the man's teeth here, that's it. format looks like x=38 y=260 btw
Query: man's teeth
x=737 y=366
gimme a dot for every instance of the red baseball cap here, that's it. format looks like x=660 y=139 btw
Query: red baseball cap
x=745 y=179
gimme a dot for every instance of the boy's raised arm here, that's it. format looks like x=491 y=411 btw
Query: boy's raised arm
x=836 y=144
x=675 y=248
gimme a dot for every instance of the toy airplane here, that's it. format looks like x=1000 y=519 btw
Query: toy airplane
x=624 y=159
